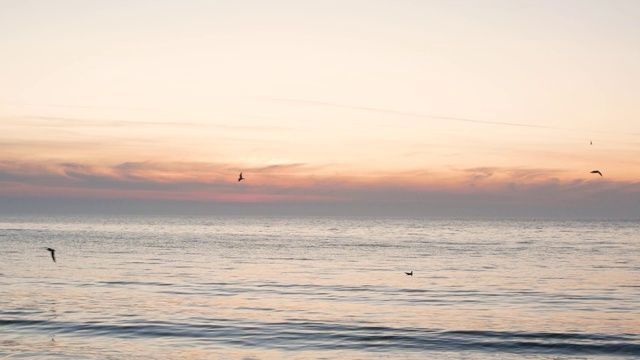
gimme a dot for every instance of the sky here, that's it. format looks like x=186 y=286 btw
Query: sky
x=427 y=108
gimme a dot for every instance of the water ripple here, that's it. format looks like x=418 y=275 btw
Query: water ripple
x=308 y=335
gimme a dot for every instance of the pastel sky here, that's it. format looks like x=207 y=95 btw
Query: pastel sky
x=404 y=107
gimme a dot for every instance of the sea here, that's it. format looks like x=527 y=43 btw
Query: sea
x=317 y=288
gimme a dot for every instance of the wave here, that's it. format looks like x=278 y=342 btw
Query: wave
x=312 y=335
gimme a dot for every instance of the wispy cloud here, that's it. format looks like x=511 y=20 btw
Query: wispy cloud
x=421 y=190
x=66 y=106
x=277 y=167
x=75 y=122
x=64 y=122
x=513 y=173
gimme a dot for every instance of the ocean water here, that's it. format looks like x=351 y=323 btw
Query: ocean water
x=318 y=288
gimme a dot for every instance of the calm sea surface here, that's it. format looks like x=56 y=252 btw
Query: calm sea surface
x=311 y=288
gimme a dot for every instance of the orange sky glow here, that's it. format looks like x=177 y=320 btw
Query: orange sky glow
x=489 y=103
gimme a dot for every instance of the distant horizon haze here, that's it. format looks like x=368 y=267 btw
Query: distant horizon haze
x=179 y=208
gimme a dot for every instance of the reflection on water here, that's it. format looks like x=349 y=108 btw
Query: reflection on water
x=318 y=288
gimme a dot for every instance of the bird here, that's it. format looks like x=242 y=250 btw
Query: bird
x=53 y=253
x=596 y=172
x=409 y=273
x=240 y=178
x=590 y=142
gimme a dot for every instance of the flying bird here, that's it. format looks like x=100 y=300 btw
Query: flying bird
x=590 y=142
x=240 y=178
x=409 y=273
x=53 y=253
x=596 y=172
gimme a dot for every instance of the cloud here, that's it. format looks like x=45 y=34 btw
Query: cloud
x=480 y=191
x=82 y=107
x=137 y=174
x=277 y=167
x=479 y=174
x=75 y=122
x=75 y=170
x=514 y=174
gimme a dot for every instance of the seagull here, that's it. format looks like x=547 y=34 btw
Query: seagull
x=590 y=142
x=596 y=172
x=53 y=254
x=409 y=273
x=240 y=178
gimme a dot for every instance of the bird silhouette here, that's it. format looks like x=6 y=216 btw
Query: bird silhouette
x=409 y=273
x=240 y=178
x=53 y=253
x=596 y=172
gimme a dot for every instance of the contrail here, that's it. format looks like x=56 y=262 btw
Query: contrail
x=403 y=113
